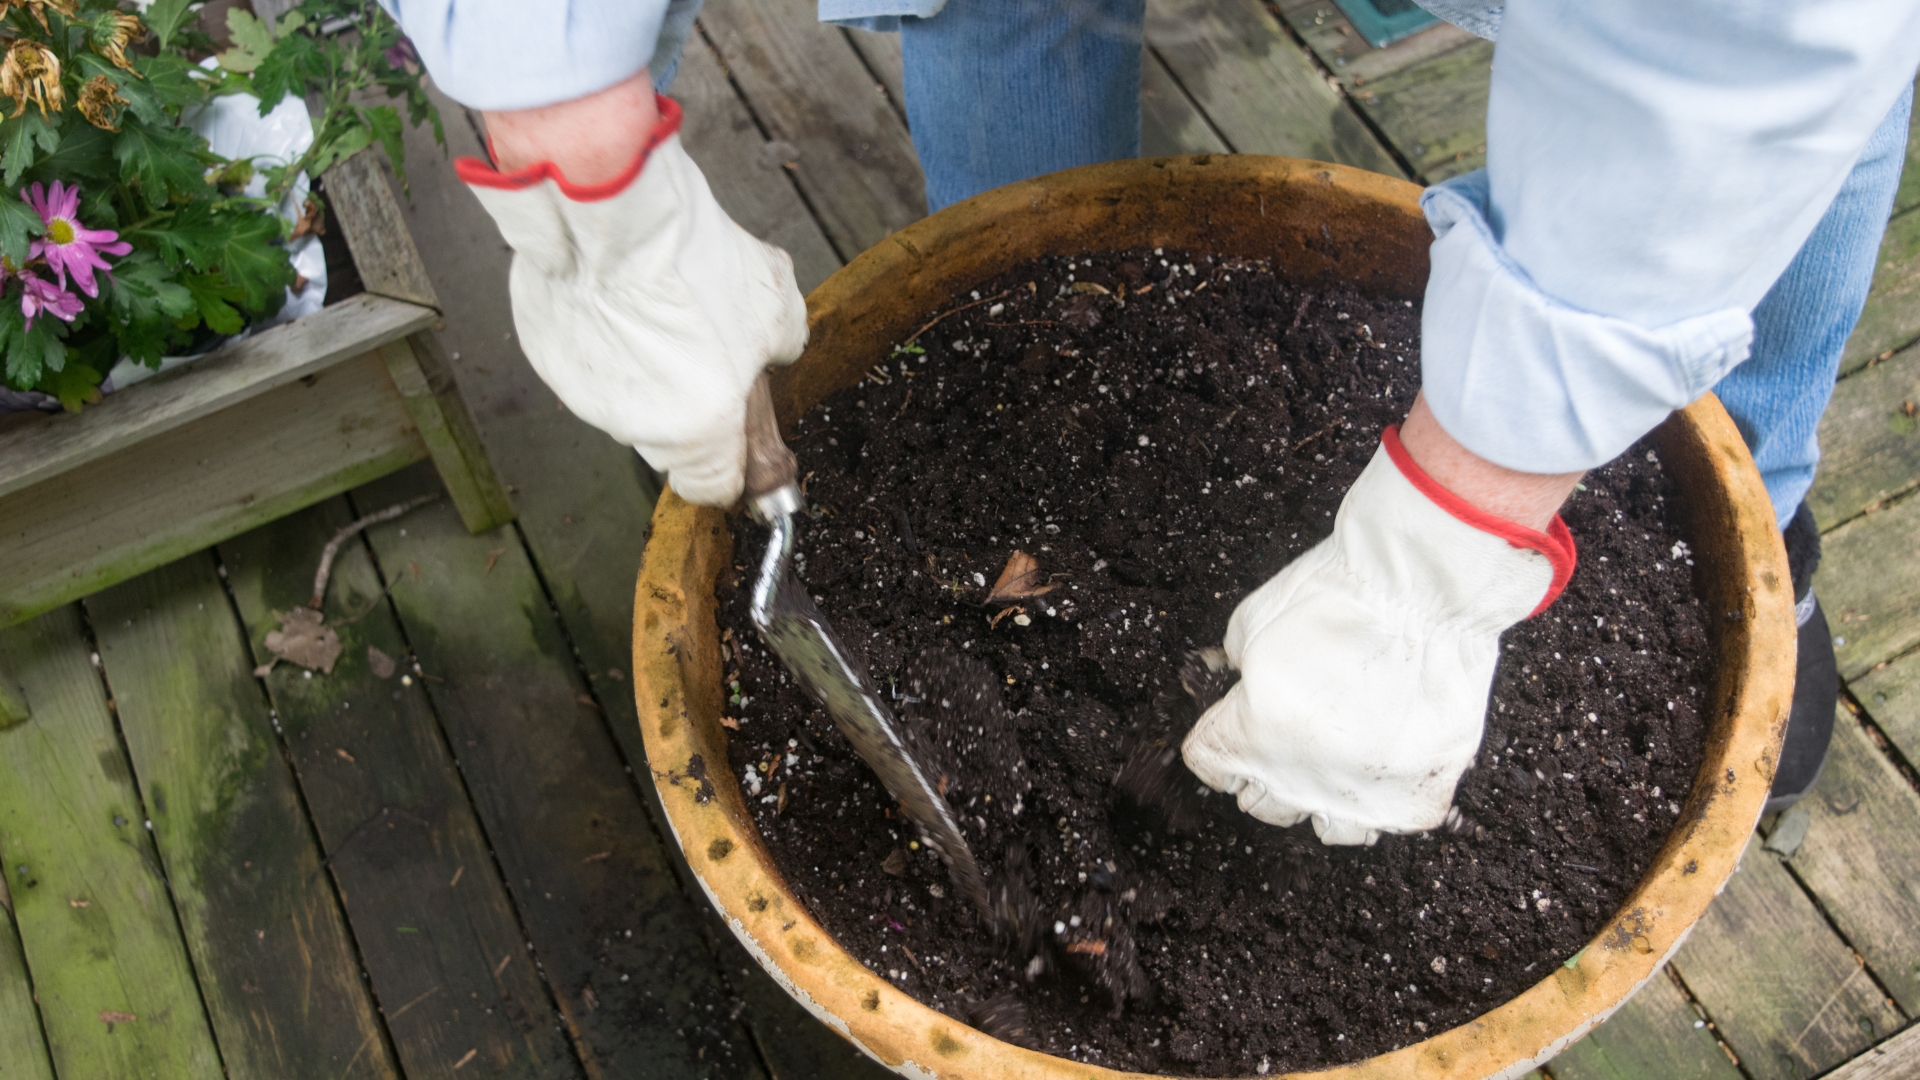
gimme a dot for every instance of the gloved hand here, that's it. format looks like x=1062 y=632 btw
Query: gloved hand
x=645 y=307
x=1365 y=664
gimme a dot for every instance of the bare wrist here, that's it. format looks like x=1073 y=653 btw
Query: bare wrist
x=1528 y=499
x=591 y=139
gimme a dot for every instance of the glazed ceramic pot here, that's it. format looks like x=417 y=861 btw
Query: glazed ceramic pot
x=1314 y=222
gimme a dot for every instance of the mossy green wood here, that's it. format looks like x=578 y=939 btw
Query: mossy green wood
x=1435 y=111
x=1869 y=446
x=566 y=820
x=1869 y=586
x=810 y=90
x=23 y=1052
x=1891 y=319
x=1785 y=991
x=584 y=500
x=96 y=922
x=1891 y=695
x=1656 y=1034
x=275 y=963
x=269 y=455
x=1257 y=88
x=438 y=935
x=1908 y=196
x=13 y=703
x=1861 y=858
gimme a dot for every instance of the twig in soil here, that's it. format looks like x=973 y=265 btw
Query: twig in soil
x=1582 y=867
x=1300 y=312
x=915 y=959
x=905 y=402
x=931 y=323
x=906 y=530
x=333 y=546
x=1302 y=444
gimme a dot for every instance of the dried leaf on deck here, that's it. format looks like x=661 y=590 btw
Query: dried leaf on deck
x=383 y=665
x=304 y=638
x=1020 y=579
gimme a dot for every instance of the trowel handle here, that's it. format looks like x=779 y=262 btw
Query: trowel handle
x=770 y=465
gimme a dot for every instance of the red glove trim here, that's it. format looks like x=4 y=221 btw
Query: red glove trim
x=1556 y=543
x=482 y=174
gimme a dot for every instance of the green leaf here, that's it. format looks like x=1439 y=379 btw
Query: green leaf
x=85 y=153
x=294 y=63
x=19 y=136
x=145 y=306
x=252 y=41
x=190 y=235
x=18 y=225
x=23 y=364
x=383 y=121
x=75 y=384
x=162 y=162
x=164 y=17
x=251 y=259
x=210 y=298
x=173 y=79
x=342 y=141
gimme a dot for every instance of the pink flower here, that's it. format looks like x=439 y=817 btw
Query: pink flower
x=39 y=296
x=69 y=245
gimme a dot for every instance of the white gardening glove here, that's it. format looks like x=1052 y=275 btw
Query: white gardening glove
x=1365 y=664
x=646 y=308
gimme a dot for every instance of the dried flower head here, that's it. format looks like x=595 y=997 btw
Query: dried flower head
x=112 y=35
x=38 y=9
x=100 y=102
x=31 y=73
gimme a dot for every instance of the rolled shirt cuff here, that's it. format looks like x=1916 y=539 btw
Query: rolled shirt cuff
x=1533 y=384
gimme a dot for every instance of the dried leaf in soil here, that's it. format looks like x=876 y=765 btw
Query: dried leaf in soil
x=304 y=638
x=1020 y=579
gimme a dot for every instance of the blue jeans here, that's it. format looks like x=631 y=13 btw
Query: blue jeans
x=1777 y=394
x=1002 y=91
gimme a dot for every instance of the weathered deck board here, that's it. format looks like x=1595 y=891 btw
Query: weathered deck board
x=1891 y=319
x=1170 y=123
x=810 y=90
x=1350 y=57
x=1869 y=585
x=1261 y=93
x=1896 y=1059
x=1655 y=1034
x=96 y=922
x=882 y=55
x=1861 y=858
x=1891 y=694
x=1435 y=111
x=1908 y=196
x=270 y=947
x=23 y=1053
x=440 y=940
x=1869 y=446
x=747 y=172
x=1784 y=991
x=562 y=813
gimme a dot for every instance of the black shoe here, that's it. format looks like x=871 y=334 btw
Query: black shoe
x=1816 y=685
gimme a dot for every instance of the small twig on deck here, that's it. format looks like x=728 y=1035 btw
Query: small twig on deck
x=321 y=575
x=953 y=311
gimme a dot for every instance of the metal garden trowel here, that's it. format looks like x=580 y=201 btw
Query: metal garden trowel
x=794 y=629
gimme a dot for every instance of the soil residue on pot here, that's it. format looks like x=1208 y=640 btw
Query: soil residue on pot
x=1032 y=519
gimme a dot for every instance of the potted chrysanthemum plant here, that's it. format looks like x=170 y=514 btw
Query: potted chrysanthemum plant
x=124 y=236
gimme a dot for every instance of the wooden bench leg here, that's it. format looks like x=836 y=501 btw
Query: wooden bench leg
x=421 y=373
x=13 y=702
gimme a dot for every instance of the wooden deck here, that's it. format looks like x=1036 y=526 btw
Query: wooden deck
x=455 y=870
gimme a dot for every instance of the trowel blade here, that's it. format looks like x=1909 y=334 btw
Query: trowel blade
x=805 y=642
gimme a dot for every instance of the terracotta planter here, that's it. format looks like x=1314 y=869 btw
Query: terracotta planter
x=1315 y=222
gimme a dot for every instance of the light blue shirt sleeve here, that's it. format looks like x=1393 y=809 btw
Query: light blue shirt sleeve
x=1652 y=168
x=500 y=54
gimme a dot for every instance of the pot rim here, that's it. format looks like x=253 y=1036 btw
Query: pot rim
x=677 y=686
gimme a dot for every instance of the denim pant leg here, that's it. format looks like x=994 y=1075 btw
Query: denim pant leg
x=1005 y=90
x=1777 y=394
x=674 y=31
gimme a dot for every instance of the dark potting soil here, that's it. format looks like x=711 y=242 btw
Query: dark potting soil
x=1161 y=433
